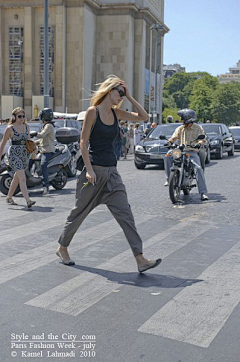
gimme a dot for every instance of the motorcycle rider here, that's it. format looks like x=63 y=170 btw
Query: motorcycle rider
x=186 y=133
x=46 y=143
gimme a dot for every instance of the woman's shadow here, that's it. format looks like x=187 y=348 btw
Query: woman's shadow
x=139 y=279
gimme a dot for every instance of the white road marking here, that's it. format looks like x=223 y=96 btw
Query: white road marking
x=35 y=258
x=197 y=313
x=83 y=291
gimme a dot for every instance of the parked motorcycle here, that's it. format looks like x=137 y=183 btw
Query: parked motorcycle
x=70 y=137
x=183 y=171
x=75 y=151
x=56 y=171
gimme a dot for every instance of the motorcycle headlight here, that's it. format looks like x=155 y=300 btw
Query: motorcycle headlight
x=139 y=148
x=176 y=154
x=215 y=142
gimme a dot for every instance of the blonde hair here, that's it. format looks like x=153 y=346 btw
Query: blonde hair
x=105 y=87
x=14 y=113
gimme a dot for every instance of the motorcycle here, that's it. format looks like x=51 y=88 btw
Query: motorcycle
x=183 y=171
x=56 y=171
x=75 y=151
x=70 y=137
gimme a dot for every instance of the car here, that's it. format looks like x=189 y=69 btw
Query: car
x=151 y=150
x=221 y=139
x=235 y=130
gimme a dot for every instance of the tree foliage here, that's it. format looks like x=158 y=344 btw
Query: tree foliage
x=203 y=93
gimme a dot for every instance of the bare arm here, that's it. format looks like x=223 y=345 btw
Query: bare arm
x=139 y=115
x=7 y=134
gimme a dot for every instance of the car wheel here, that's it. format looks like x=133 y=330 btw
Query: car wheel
x=219 y=154
x=231 y=153
x=140 y=166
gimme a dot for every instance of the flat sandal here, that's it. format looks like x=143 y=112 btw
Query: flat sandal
x=10 y=201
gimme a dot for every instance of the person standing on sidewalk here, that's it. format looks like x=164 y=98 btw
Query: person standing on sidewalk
x=46 y=143
x=100 y=182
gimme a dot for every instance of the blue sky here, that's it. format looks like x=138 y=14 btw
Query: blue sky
x=204 y=34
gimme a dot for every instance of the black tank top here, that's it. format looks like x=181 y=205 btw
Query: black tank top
x=101 y=148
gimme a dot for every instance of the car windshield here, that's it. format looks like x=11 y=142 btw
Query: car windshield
x=235 y=131
x=211 y=129
x=163 y=130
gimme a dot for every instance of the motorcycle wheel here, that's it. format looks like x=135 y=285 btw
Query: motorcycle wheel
x=60 y=180
x=71 y=167
x=5 y=181
x=174 y=189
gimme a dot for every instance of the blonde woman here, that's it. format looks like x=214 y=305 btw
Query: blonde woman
x=18 y=133
x=100 y=182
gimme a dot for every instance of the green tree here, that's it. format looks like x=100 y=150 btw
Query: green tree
x=226 y=103
x=202 y=96
x=180 y=86
x=170 y=112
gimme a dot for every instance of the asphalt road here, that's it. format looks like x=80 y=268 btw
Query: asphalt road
x=103 y=310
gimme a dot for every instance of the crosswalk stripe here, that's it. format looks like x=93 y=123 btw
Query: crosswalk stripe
x=197 y=313
x=35 y=258
x=31 y=228
x=83 y=291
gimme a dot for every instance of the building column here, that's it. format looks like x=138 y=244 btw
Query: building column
x=28 y=70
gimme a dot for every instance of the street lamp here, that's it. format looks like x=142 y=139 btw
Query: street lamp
x=158 y=68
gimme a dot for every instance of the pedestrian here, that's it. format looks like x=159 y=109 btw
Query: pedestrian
x=125 y=139
x=131 y=138
x=100 y=182
x=137 y=134
x=170 y=119
x=18 y=133
x=46 y=143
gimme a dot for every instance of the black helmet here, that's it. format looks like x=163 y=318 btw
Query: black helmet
x=46 y=114
x=187 y=115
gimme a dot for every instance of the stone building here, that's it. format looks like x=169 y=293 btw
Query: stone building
x=232 y=76
x=171 y=69
x=88 y=40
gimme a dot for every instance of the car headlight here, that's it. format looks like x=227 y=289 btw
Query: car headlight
x=139 y=148
x=215 y=142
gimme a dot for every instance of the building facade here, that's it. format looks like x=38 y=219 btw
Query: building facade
x=232 y=76
x=87 y=40
x=171 y=69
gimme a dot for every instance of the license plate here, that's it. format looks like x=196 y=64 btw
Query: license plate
x=156 y=156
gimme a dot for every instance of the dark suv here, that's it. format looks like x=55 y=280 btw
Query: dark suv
x=221 y=139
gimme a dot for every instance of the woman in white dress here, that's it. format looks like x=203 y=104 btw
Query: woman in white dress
x=137 y=134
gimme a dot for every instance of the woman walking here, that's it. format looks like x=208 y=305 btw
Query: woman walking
x=18 y=133
x=100 y=182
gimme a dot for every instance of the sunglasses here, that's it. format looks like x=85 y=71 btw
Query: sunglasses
x=121 y=92
x=21 y=116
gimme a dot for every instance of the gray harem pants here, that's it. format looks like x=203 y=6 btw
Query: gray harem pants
x=109 y=190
